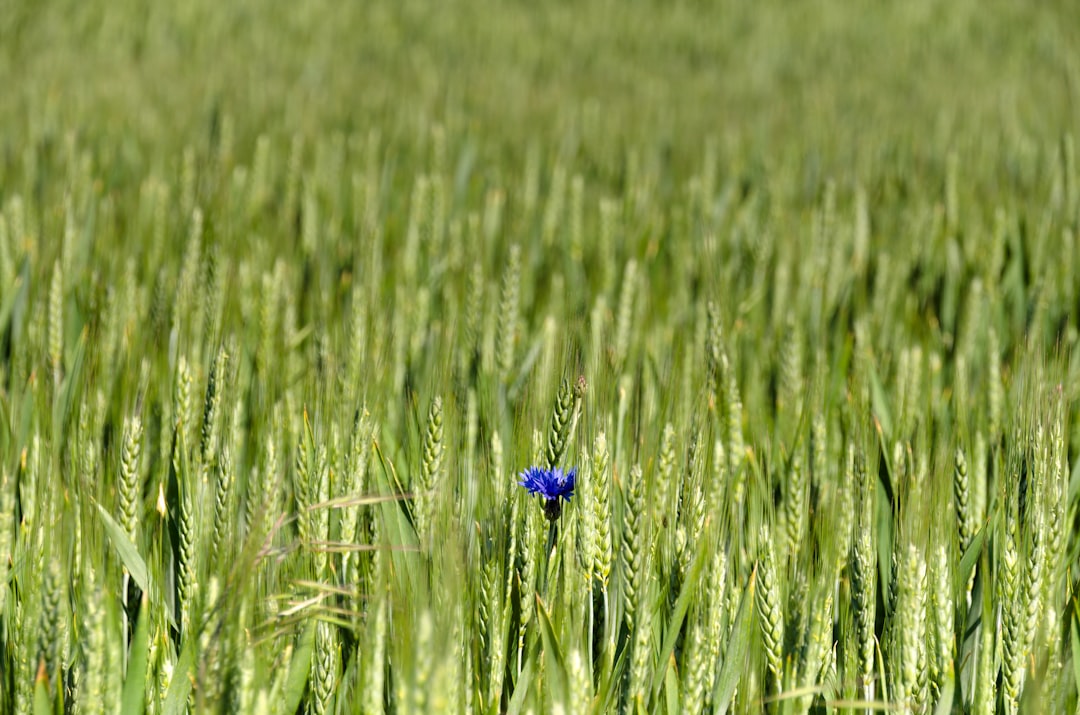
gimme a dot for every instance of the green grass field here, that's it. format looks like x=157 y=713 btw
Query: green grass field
x=292 y=296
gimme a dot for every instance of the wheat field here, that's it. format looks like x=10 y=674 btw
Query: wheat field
x=504 y=357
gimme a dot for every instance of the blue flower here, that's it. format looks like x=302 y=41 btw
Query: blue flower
x=550 y=484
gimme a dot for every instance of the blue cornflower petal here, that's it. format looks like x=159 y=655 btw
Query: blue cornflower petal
x=549 y=483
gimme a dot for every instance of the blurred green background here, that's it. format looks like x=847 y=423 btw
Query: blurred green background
x=818 y=77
